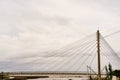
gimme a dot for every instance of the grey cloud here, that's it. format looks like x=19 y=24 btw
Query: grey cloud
x=30 y=27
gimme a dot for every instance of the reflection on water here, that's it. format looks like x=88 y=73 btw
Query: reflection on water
x=60 y=79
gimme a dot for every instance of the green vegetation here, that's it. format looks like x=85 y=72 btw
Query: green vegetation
x=116 y=73
x=109 y=72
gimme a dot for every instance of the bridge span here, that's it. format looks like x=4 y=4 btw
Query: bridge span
x=32 y=75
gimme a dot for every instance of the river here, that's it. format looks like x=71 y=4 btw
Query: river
x=60 y=79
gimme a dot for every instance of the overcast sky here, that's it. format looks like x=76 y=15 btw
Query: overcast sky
x=29 y=27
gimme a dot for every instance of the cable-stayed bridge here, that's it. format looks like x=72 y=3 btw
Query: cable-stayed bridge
x=78 y=57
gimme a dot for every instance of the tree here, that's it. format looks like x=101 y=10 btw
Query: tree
x=107 y=73
x=110 y=71
x=116 y=73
